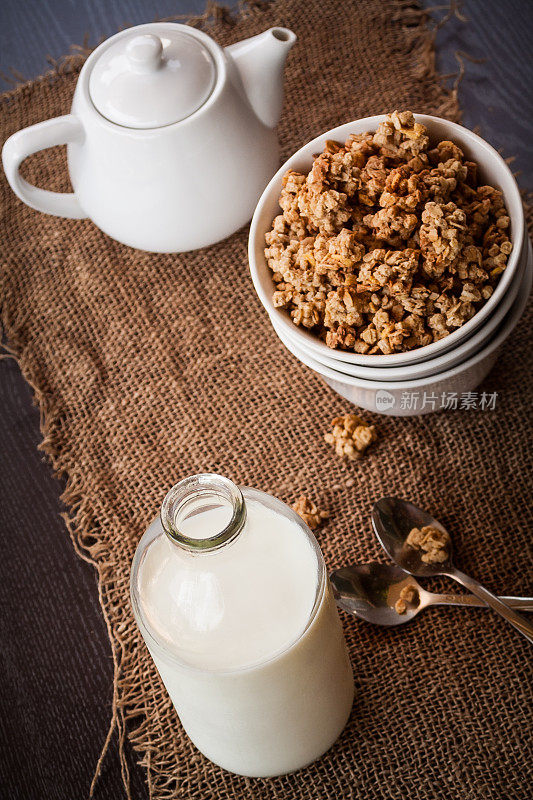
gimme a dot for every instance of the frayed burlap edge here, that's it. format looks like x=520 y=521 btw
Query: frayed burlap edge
x=126 y=704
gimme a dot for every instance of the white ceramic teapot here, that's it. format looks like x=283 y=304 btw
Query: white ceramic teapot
x=170 y=140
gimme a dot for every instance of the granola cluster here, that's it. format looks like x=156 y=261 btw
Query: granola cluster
x=432 y=541
x=387 y=244
x=350 y=436
x=408 y=598
x=309 y=511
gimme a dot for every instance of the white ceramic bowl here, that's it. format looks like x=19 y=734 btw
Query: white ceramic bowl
x=386 y=397
x=432 y=366
x=493 y=170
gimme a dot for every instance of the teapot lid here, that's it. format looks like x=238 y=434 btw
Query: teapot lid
x=148 y=80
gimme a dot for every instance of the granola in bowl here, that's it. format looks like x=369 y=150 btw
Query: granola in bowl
x=388 y=243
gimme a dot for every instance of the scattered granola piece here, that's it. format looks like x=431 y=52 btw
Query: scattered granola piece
x=408 y=597
x=309 y=511
x=387 y=244
x=351 y=436
x=432 y=541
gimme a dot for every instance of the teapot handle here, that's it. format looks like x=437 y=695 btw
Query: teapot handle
x=60 y=130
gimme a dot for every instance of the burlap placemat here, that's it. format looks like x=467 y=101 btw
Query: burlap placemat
x=149 y=368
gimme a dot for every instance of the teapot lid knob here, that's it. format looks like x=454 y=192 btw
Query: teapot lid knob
x=152 y=76
x=144 y=52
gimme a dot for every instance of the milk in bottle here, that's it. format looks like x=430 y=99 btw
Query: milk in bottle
x=230 y=592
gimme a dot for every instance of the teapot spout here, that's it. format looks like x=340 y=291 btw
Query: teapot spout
x=260 y=61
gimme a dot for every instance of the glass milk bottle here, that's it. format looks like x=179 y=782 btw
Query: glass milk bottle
x=230 y=592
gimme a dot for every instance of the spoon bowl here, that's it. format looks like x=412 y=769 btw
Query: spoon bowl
x=393 y=520
x=370 y=591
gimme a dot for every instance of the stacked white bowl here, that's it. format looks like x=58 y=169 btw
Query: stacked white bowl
x=452 y=366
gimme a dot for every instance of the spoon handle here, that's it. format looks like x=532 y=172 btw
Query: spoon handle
x=520 y=623
x=523 y=603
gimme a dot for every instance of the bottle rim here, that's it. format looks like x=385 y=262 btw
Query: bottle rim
x=198 y=490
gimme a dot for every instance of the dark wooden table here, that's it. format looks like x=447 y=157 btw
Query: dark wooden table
x=55 y=660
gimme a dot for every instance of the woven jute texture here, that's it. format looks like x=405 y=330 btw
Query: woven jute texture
x=149 y=368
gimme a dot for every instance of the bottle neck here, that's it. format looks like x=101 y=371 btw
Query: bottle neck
x=195 y=496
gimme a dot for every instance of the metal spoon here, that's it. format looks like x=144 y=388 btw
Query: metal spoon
x=393 y=519
x=370 y=592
